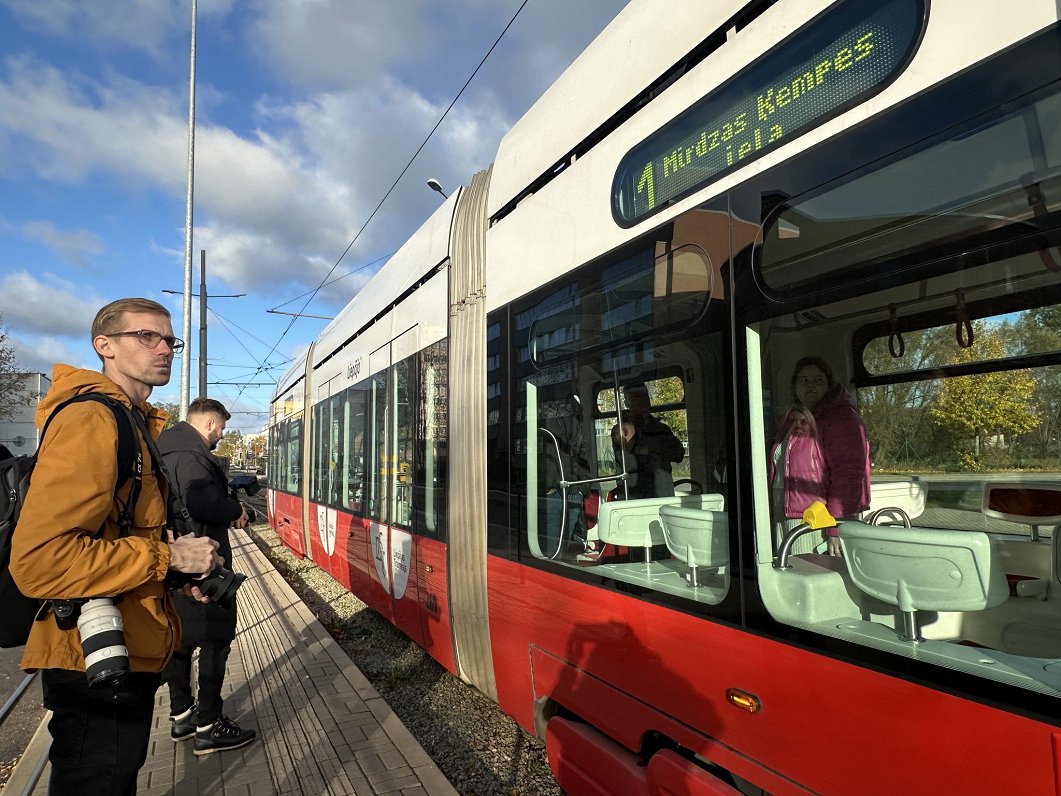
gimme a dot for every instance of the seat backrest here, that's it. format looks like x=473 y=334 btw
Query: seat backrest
x=1027 y=502
x=906 y=494
x=924 y=569
x=630 y=523
x=697 y=537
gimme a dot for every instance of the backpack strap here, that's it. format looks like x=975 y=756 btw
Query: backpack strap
x=130 y=458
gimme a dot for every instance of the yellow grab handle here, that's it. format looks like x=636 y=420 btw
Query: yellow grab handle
x=818 y=517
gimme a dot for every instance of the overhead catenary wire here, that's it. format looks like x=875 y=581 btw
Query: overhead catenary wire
x=328 y=284
x=398 y=179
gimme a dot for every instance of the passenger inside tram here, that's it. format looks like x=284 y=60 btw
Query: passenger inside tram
x=647 y=445
x=821 y=453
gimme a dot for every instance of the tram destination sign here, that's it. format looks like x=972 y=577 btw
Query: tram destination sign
x=846 y=55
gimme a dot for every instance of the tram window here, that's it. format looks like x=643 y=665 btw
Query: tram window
x=649 y=293
x=326 y=467
x=290 y=472
x=274 y=452
x=665 y=397
x=401 y=463
x=630 y=501
x=356 y=431
x=1002 y=337
x=377 y=459
x=429 y=483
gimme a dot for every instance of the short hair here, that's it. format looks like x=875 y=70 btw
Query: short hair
x=208 y=406
x=109 y=318
x=817 y=362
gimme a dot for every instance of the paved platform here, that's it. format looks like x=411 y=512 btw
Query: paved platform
x=322 y=727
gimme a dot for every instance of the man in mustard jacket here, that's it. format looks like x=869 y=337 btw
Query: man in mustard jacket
x=68 y=547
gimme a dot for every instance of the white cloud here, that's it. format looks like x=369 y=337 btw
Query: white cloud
x=39 y=354
x=68 y=127
x=144 y=25
x=72 y=247
x=338 y=42
x=48 y=305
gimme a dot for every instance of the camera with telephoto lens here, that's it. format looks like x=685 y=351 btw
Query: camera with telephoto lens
x=102 y=637
x=250 y=485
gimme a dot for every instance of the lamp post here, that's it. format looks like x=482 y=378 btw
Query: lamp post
x=186 y=325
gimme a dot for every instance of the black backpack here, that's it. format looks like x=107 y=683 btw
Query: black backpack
x=20 y=611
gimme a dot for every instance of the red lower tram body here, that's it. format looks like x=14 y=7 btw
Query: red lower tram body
x=642 y=690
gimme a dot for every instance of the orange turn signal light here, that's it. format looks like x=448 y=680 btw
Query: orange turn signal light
x=743 y=700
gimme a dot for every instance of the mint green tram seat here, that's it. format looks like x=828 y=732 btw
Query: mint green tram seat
x=924 y=569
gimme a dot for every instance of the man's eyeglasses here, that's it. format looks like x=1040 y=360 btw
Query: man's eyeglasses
x=152 y=339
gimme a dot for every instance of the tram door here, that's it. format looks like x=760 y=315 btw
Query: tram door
x=392 y=419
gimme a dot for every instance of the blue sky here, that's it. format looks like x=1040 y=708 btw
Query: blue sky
x=306 y=112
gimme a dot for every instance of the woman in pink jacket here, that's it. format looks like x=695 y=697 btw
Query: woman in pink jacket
x=821 y=452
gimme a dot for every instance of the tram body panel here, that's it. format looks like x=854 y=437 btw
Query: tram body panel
x=629 y=668
x=358 y=561
x=431 y=579
x=287 y=521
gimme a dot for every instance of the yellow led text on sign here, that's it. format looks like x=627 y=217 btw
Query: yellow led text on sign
x=788 y=97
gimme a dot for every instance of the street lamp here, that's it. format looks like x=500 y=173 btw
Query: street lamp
x=436 y=186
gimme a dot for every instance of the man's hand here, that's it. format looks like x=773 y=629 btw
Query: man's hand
x=188 y=590
x=195 y=555
x=242 y=520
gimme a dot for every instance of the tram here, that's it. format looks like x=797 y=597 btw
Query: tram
x=711 y=193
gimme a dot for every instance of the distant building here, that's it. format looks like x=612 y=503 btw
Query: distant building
x=20 y=433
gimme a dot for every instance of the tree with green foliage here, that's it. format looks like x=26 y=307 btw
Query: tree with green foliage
x=13 y=393
x=983 y=411
x=1037 y=332
x=231 y=446
x=174 y=411
x=898 y=423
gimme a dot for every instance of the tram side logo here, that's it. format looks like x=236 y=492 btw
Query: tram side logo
x=326 y=528
x=391 y=560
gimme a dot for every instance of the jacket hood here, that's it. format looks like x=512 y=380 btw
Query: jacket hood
x=68 y=382
x=181 y=437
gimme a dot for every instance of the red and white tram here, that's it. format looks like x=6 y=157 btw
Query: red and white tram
x=710 y=193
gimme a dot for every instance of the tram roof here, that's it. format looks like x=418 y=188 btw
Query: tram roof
x=612 y=71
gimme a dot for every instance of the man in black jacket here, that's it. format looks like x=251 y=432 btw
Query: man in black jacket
x=202 y=484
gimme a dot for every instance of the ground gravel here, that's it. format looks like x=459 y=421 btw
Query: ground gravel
x=481 y=751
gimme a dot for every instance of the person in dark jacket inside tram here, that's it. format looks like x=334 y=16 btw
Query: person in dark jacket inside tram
x=201 y=482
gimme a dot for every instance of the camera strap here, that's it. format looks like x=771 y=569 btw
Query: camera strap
x=160 y=467
x=125 y=514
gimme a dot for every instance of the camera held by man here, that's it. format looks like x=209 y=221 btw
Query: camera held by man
x=250 y=486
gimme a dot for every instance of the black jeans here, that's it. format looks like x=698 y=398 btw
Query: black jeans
x=99 y=735
x=212 y=658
